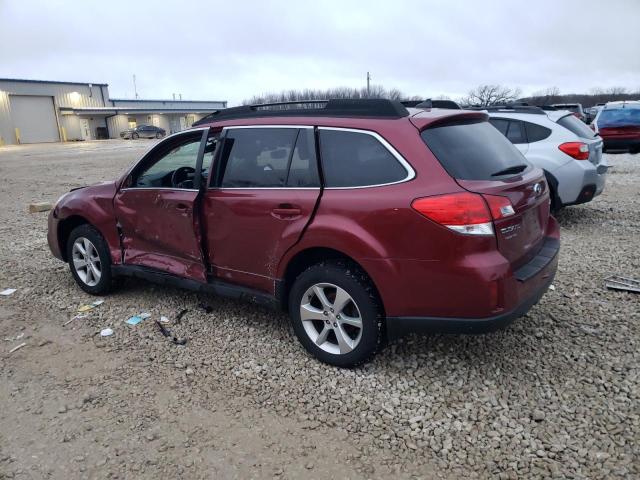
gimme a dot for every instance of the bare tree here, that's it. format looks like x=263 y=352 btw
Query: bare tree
x=486 y=95
x=375 y=91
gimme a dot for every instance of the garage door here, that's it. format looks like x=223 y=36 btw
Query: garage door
x=35 y=117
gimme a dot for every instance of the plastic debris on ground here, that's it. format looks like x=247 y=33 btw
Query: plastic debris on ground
x=77 y=317
x=166 y=333
x=17 y=347
x=180 y=314
x=8 y=291
x=90 y=306
x=106 y=332
x=136 y=319
x=164 y=319
x=617 y=282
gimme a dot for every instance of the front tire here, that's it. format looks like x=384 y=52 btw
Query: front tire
x=89 y=260
x=135 y=136
x=336 y=314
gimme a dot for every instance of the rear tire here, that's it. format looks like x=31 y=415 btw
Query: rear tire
x=89 y=260
x=343 y=324
x=158 y=135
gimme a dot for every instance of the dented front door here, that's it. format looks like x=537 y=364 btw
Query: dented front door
x=157 y=208
x=158 y=230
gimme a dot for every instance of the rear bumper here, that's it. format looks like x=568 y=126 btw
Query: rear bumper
x=398 y=327
x=525 y=286
x=622 y=143
x=579 y=181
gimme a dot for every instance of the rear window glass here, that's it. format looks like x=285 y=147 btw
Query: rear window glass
x=473 y=151
x=576 y=126
x=619 y=117
x=354 y=159
x=536 y=132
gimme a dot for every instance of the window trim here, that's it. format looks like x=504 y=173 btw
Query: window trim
x=204 y=135
x=411 y=174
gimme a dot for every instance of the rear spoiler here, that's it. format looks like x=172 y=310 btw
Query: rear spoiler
x=465 y=116
x=429 y=103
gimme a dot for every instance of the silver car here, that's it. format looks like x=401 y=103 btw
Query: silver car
x=143 y=131
x=568 y=151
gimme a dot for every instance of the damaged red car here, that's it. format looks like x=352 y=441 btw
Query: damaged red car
x=363 y=219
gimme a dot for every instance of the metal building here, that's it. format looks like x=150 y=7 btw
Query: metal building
x=34 y=111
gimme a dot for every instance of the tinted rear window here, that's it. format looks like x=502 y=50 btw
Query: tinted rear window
x=354 y=159
x=576 y=126
x=536 y=132
x=619 y=117
x=472 y=151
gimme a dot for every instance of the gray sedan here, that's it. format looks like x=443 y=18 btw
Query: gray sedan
x=143 y=131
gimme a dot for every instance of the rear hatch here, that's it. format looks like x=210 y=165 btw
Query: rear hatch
x=483 y=161
x=620 y=123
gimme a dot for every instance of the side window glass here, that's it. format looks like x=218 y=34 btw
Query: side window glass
x=303 y=171
x=256 y=157
x=172 y=167
x=501 y=124
x=536 y=132
x=515 y=133
x=354 y=159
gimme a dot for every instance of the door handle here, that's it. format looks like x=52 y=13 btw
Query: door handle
x=286 y=210
x=182 y=207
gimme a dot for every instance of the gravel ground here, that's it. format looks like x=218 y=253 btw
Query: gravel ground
x=554 y=395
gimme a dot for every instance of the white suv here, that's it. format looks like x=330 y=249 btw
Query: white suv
x=568 y=151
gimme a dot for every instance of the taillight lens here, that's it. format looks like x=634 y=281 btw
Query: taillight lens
x=500 y=207
x=577 y=150
x=464 y=212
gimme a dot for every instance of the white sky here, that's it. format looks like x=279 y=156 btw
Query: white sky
x=231 y=50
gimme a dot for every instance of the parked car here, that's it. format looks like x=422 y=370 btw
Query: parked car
x=618 y=123
x=574 y=108
x=363 y=219
x=564 y=147
x=143 y=131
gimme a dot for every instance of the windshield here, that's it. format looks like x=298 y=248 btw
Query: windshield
x=576 y=126
x=474 y=151
x=619 y=117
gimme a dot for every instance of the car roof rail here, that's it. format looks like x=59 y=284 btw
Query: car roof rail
x=429 y=103
x=511 y=109
x=347 y=107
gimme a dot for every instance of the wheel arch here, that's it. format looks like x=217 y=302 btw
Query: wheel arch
x=65 y=227
x=311 y=256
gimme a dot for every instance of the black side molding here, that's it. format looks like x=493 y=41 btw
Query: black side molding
x=216 y=287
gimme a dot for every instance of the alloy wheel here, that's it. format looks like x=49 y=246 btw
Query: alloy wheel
x=331 y=318
x=86 y=261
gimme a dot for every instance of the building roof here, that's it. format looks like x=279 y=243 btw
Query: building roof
x=164 y=100
x=128 y=110
x=23 y=80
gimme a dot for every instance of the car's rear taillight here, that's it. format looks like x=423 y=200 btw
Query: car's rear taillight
x=464 y=212
x=500 y=207
x=577 y=150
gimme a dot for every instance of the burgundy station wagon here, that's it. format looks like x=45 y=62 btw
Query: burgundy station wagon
x=363 y=219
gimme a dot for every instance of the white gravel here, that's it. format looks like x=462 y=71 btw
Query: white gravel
x=554 y=395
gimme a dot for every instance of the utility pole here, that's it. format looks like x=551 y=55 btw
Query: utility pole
x=135 y=88
x=368 y=84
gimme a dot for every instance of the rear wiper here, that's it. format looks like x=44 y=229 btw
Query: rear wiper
x=507 y=171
